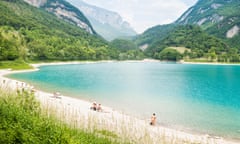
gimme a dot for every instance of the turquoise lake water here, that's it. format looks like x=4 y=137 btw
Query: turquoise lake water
x=197 y=98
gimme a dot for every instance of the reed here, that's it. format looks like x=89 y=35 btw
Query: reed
x=31 y=118
x=23 y=120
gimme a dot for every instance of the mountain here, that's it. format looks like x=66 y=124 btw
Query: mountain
x=209 y=13
x=198 y=42
x=209 y=30
x=189 y=40
x=65 y=11
x=152 y=35
x=220 y=18
x=30 y=33
x=108 y=24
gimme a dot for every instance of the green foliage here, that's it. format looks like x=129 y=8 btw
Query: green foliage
x=194 y=38
x=132 y=55
x=208 y=41
x=191 y=37
x=220 y=30
x=217 y=18
x=69 y=8
x=12 y=44
x=153 y=34
x=15 y=65
x=43 y=36
x=204 y=9
x=198 y=60
x=123 y=45
x=32 y=34
x=127 y=50
x=23 y=121
x=169 y=54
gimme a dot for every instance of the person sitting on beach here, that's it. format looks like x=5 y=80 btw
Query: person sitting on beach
x=99 y=108
x=153 y=119
x=94 y=106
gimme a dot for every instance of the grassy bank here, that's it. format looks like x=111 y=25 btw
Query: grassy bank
x=15 y=65
x=27 y=118
x=23 y=120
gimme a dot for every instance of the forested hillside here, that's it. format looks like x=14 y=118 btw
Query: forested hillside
x=209 y=29
x=198 y=42
x=220 y=18
x=152 y=34
x=69 y=13
x=127 y=49
x=30 y=33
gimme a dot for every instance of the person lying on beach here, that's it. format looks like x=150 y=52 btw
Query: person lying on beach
x=153 y=119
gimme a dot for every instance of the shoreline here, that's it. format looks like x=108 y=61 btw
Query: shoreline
x=209 y=63
x=36 y=65
x=112 y=116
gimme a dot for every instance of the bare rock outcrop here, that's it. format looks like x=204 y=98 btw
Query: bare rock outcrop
x=232 y=32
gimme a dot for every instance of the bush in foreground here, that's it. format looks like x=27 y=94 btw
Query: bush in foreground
x=22 y=121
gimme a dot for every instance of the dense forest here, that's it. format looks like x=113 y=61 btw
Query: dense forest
x=153 y=34
x=128 y=49
x=198 y=43
x=191 y=37
x=203 y=29
x=218 y=18
x=33 y=34
x=30 y=33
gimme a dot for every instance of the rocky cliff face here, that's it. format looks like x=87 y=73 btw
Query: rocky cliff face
x=218 y=17
x=107 y=23
x=203 y=13
x=36 y=3
x=65 y=11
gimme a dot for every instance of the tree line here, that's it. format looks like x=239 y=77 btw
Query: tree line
x=42 y=36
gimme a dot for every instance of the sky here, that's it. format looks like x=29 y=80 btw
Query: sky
x=143 y=14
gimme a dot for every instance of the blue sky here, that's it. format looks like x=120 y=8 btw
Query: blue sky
x=143 y=14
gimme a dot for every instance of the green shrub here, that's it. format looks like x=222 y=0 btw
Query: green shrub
x=169 y=54
x=23 y=121
x=15 y=65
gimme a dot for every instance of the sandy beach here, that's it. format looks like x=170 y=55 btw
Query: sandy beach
x=77 y=112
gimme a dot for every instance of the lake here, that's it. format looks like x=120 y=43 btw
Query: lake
x=196 y=98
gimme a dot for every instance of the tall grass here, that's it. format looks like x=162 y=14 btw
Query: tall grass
x=15 y=65
x=23 y=120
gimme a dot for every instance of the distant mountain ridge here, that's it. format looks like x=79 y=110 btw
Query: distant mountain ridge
x=65 y=11
x=108 y=24
x=209 y=29
x=218 y=17
x=31 y=33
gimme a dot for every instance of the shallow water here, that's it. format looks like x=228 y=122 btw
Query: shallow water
x=201 y=98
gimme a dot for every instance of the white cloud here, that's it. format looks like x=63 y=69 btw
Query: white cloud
x=143 y=14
